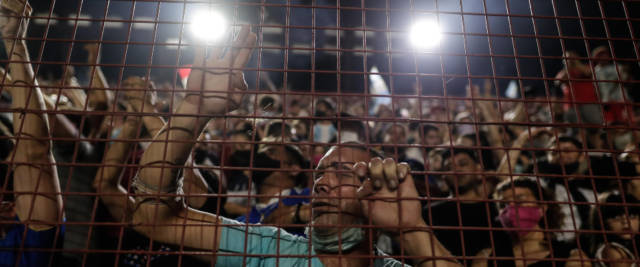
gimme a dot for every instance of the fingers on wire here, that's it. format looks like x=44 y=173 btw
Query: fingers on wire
x=248 y=41
x=390 y=173
x=376 y=173
x=361 y=171
x=239 y=41
x=404 y=171
x=231 y=54
x=366 y=189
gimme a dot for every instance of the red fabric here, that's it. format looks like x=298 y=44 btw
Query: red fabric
x=579 y=91
x=615 y=112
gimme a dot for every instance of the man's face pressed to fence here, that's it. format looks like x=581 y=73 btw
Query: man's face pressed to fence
x=335 y=187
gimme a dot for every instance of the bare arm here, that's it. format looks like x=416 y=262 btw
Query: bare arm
x=35 y=177
x=194 y=185
x=616 y=258
x=143 y=101
x=98 y=97
x=107 y=180
x=490 y=114
x=509 y=160
x=71 y=88
x=209 y=91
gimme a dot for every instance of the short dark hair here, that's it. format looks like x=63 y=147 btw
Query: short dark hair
x=567 y=139
x=350 y=124
x=362 y=147
x=262 y=160
x=267 y=101
x=609 y=207
x=429 y=127
x=448 y=152
x=327 y=102
x=554 y=215
x=274 y=128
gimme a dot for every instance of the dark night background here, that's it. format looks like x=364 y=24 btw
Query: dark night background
x=386 y=29
x=130 y=38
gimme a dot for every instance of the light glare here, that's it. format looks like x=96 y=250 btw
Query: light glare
x=425 y=34
x=208 y=25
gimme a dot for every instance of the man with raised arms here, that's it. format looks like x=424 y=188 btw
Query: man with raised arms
x=355 y=194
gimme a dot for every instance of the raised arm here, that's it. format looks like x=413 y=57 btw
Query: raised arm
x=107 y=180
x=212 y=90
x=143 y=101
x=98 y=97
x=490 y=114
x=98 y=80
x=36 y=186
x=509 y=160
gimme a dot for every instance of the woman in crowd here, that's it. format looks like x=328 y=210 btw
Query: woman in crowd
x=616 y=243
x=526 y=214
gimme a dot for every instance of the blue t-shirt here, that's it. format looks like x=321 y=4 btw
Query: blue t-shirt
x=270 y=246
x=259 y=213
x=10 y=245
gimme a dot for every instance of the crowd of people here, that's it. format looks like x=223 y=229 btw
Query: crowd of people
x=215 y=174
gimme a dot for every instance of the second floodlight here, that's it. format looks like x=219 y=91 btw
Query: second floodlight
x=425 y=34
x=208 y=25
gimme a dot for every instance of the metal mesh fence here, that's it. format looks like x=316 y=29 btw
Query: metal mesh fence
x=319 y=133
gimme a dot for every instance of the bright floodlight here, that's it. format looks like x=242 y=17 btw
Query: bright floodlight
x=208 y=25
x=425 y=34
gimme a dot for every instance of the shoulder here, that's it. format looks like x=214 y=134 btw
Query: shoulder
x=612 y=251
x=235 y=231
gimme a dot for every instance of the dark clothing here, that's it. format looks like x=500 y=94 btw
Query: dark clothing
x=480 y=214
x=559 y=251
x=140 y=255
x=34 y=250
x=600 y=166
x=581 y=189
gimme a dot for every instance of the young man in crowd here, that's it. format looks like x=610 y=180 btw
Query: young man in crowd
x=465 y=207
x=353 y=192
